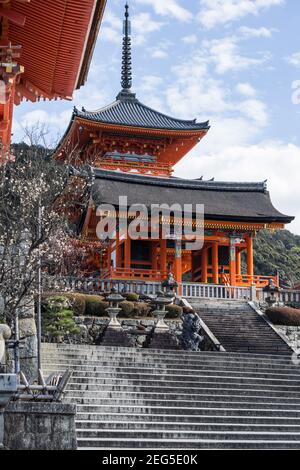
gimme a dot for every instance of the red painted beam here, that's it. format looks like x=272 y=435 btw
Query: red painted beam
x=13 y=16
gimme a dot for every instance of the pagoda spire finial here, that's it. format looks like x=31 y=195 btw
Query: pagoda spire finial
x=126 y=74
x=126 y=81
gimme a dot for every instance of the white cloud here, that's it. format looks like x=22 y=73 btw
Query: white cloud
x=246 y=89
x=255 y=110
x=168 y=8
x=111 y=29
x=216 y=12
x=191 y=39
x=244 y=162
x=161 y=50
x=55 y=123
x=142 y=25
x=195 y=92
x=256 y=32
x=294 y=59
x=225 y=54
x=151 y=82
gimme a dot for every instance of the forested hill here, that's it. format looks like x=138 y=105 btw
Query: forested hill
x=278 y=251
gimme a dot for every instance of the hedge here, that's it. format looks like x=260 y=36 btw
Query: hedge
x=95 y=306
x=174 y=311
x=131 y=296
x=286 y=316
x=78 y=303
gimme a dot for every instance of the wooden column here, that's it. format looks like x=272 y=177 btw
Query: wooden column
x=215 y=262
x=250 y=265
x=238 y=263
x=178 y=265
x=163 y=255
x=127 y=253
x=118 y=251
x=154 y=256
x=204 y=263
x=232 y=262
x=109 y=260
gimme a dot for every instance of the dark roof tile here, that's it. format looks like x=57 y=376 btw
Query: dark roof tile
x=131 y=112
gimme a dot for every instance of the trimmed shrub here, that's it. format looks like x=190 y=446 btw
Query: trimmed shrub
x=131 y=296
x=58 y=318
x=95 y=306
x=127 y=309
x=78 y=303
x=284 y=316
x=141 y=309
x=173 y=311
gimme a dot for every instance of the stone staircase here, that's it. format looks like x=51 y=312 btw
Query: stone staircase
x=239 y=328
x=164 y=399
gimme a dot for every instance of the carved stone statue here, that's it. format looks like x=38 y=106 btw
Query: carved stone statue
x=5 y=334
x=190 y=338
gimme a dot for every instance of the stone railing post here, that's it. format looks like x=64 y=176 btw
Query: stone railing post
x=8 y=386
x=253 y=297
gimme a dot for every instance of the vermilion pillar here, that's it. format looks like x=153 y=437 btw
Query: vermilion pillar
x=127 y=253
x=238 y=263
x=250 y=265
x=215 y=262
x=204 y=263
x=118 y=251
x=163 y=255
x=232 y=265
x=154 y=256
x=178 y=265
x=178 y=262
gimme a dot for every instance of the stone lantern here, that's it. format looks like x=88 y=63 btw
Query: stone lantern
x=160 y=302
x=169 y=285
x=113 y=310
x=271 y=293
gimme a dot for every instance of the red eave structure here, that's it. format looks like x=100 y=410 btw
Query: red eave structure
x=57 y=42
x=49 y=44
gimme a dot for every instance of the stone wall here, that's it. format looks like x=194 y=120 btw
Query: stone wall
x=292 y=334
x=39 y=426
x=92 y=329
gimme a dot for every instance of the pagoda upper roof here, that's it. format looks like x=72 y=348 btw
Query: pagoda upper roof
x=234 y=201
x=127 y=110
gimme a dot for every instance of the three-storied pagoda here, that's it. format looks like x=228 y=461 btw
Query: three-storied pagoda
x=133 y=149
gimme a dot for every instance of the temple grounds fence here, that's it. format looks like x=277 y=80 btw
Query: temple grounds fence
x=95 y=285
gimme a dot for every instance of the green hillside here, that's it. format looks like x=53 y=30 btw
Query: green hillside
x=278 y=251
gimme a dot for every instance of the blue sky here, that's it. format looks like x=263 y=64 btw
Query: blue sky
x=233 y=62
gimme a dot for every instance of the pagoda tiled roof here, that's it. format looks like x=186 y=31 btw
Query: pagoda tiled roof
x=129 y=111
x=234 y=201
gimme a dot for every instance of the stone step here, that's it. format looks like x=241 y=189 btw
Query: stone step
x=164 y=375
x=288 y=368
x=121 y=352
x=130 y=398
x=103 y=443
x=175 y=397
x=179 y=434
x=134 y=403
x=142 y=388
x=186 y=413
x=94 y=366
x=216 y=385
x=100 y=426
x=188 y=420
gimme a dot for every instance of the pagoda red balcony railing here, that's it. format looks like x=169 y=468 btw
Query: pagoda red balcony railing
x=137 y=274
x=258 y=281
x=152 y=168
